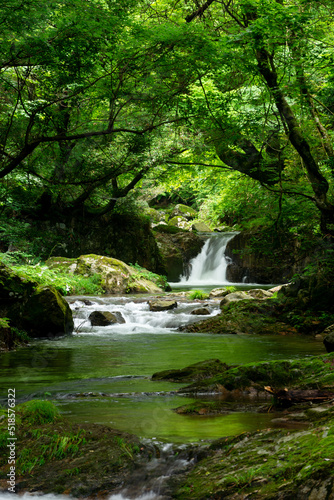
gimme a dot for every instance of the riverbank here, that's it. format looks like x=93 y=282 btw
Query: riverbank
x=95 y=461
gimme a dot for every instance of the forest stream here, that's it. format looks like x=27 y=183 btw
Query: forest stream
x=102 y=374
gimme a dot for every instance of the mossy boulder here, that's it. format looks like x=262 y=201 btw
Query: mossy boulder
x=198 y=371
x=179 y=221
x=310 y=373
x=245 y=317
x=184 y=211
x=177 y=250
x=116 y=276
x=40 y=311
x=47 y=314
x=328 y=334
x=201 y=227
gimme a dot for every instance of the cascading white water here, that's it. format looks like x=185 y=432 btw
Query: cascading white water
x=209 y=267
x=137 y=315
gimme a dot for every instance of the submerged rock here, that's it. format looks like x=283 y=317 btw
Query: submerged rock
x=195 y=372
x=105 y=318
x=162 y=305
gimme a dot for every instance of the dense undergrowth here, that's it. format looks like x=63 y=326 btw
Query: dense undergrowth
x=26 y=266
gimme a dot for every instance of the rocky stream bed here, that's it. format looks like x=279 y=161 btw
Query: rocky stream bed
x=175 y=433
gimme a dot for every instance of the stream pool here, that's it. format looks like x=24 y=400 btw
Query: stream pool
x=102 y=374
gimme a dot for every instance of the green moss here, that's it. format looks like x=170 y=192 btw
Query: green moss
x=169 y=229
x=38 y=412
x=310 y=373
x=51 y=452
x=197 y=371
x=142 y=273
x=263 y=463
x=47 y=312
x=246 y=316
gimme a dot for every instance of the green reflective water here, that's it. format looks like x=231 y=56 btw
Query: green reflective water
x=122 y=362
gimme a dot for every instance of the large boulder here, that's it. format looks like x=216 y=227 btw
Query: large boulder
x=235 y=296
x=47 y=314
x=184 y=211
x=40 y=311
x=328 y=335
x=116 y=276
x=256 y=257
x=201 y=227
x=124 y=237
x=177 y=249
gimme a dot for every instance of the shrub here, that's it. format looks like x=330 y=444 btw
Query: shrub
x=198 y=294
x=39 y=412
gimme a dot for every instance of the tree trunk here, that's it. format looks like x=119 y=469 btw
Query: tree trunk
x=318 y=182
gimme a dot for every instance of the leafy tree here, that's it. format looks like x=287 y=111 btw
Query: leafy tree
x=269 y=69
x=85 y=88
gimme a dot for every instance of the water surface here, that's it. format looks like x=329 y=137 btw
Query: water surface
x=102 y=374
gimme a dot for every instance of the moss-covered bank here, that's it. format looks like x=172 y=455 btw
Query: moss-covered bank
x=311 y=373
x=268 y=464
x=53 y=455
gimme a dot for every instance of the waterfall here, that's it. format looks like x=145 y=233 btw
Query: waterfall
x=209 y=267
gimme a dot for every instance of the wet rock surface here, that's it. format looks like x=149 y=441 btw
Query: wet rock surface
x=244 y=315
x=105 y=318
x=197 y=371
x=177 y=249
x=162 y=305
x=39 y=311
x=328 y=336
x=201 y=311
